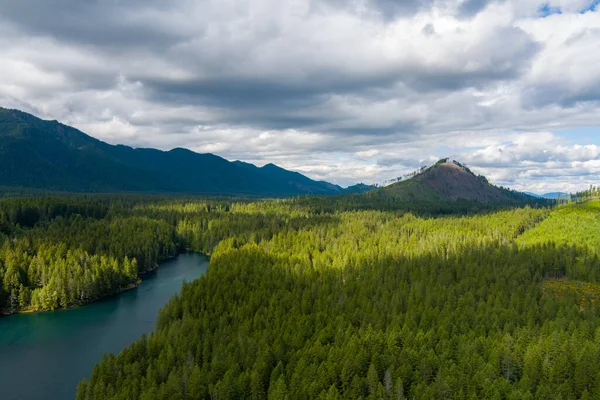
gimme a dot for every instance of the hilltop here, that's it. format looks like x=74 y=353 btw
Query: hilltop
x=449 y=181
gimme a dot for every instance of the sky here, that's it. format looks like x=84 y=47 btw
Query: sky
x=341 y=90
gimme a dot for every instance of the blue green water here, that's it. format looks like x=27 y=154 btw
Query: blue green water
x=45 y=355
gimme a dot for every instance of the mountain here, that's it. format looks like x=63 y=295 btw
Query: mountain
x=550 y=196
x=533 y=194
x=293 y=179
x=555 y=195
x=49 y=155
x=448 y=181
x=303 y=183
x=359 y=188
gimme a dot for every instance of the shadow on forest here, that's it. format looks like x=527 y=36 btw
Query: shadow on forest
x=428 y=326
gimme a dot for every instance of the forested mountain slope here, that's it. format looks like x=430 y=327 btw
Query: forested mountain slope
x=359 y=188
x=368 y=304
x=444 y=188
x=449 y=180
x=294 y=179
x=49 y=155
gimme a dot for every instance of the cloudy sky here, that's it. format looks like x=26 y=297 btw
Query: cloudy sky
x=342 y=90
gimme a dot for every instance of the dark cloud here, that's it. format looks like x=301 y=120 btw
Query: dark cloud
x=391 y=9
x=222 y=68
x=549 y=94
x=468 y=8
x=111 y=24
x=388 y=10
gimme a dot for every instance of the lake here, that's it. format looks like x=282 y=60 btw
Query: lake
x=45 y=355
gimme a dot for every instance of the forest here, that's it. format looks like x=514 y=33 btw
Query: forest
x=301 y=301
x=60 y=253
x=373 y=304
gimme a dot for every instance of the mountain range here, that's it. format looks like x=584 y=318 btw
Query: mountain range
x=551 y=195
x=40 y=154
x=50 y=156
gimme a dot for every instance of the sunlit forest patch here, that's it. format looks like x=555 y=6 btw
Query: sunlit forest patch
x=573 y=224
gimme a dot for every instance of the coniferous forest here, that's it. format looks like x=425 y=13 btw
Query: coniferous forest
x=300 y=200
x=304 y=301
x=60 y=253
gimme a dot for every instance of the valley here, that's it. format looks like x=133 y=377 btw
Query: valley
x=441 y=285
x=299 y=200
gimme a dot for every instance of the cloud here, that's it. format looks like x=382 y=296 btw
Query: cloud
x=383 y=85
x=540 y=161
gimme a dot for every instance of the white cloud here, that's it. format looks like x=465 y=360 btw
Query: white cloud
x=539 y=161
x=346 y=91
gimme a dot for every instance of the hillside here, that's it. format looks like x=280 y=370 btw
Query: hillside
x=48 y=155
x=449 y=181
x=293 y=179
x=359 y=188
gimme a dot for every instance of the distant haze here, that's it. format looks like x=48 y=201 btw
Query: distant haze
x=342 y=91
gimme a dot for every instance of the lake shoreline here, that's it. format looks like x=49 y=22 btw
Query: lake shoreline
x=141 y=275
x=135 y=285
x=45 y=355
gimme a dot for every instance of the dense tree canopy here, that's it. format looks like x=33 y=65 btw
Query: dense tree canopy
x=305 y=301
x=300 y=303
x=59 y=253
